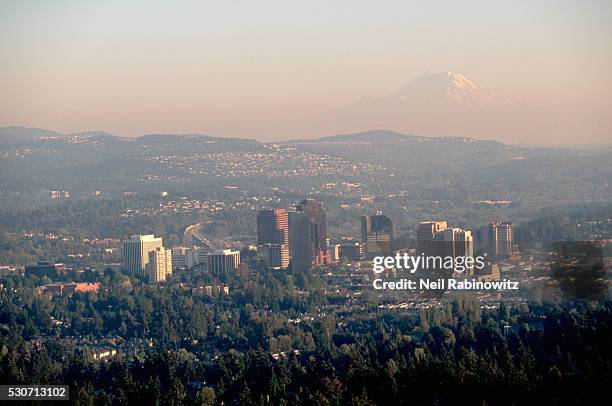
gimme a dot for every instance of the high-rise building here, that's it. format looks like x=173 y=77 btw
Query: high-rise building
x=301 y=236
x=316 y=214
x=273 y=227
x=334 y=251
x=179 y=257
x=436 y=239
x=381 y=224
x=364 y=229
x=273 y=237
x=378 y=236
x=495 y=239
x=479 y=240
x=425 y=233
x=184 y=257
x=201 y=256
x=505 y=239
x=223 y=262
x=308 y=235
x=274 y=255
x=352 y=251
x=159 y=266
x=454 y=242
x=136 y=253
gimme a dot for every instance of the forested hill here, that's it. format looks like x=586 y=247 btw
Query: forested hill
x=381 y=162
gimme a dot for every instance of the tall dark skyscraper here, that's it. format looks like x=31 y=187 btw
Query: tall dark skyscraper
x=273 y=227
x=425 y=235
x=364 y=229
x=505 y=239
x=496 y=239
x=435 y=238
x=308 y=235
x=316 y=213
x=378 y=235
x=273 y=237
x=381 y=224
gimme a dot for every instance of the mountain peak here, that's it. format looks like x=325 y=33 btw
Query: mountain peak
x=448 y=88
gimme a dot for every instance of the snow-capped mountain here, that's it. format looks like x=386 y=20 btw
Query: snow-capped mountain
x=435 y=103
x=448 y=88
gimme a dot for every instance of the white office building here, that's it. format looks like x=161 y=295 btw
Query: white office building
x=136 y=253
x=159 y=266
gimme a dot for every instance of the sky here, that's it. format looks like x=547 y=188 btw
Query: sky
x=275 y=70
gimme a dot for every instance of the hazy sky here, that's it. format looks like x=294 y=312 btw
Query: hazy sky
x=268 y=69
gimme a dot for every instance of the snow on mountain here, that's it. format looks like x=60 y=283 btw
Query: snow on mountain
x=433 y=104
x=448 y=88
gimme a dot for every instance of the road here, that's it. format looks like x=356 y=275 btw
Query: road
x=194 y=231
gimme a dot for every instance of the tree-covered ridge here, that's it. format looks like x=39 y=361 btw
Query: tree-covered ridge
x=32 y=162
x=277 y=339
x=572 y=223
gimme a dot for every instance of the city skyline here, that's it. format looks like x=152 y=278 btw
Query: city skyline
x=317 y=203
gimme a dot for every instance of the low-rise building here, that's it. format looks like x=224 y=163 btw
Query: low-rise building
x=68 y=288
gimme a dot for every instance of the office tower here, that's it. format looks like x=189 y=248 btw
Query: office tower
x=274 y=255
x=318 y=218
x=425 y=233
x=179 y=257
x=159 y=266
x=201 y=256
x=223 y=262
x=352 y=251
x=379 y=234
x=273 y=227
x=479 y=245
x=381 y=224
x=453 y=242
x=184 y=257
x=505 y=240
x=136 y=253
x=301 y=236
x=308 y=235
x=495 y=239
x=273 y=237
x=191 y=257
x=364 y=229
x=487 y=240
x=334 y=252
x=436 y=239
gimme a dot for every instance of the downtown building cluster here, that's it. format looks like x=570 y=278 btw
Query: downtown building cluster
x=493 y=241
x=145 y=257
x=219 y=262
x=299 y=237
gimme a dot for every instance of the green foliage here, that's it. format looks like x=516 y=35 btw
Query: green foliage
x=234 y=349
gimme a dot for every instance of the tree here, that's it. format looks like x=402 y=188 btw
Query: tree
x=206 y=396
